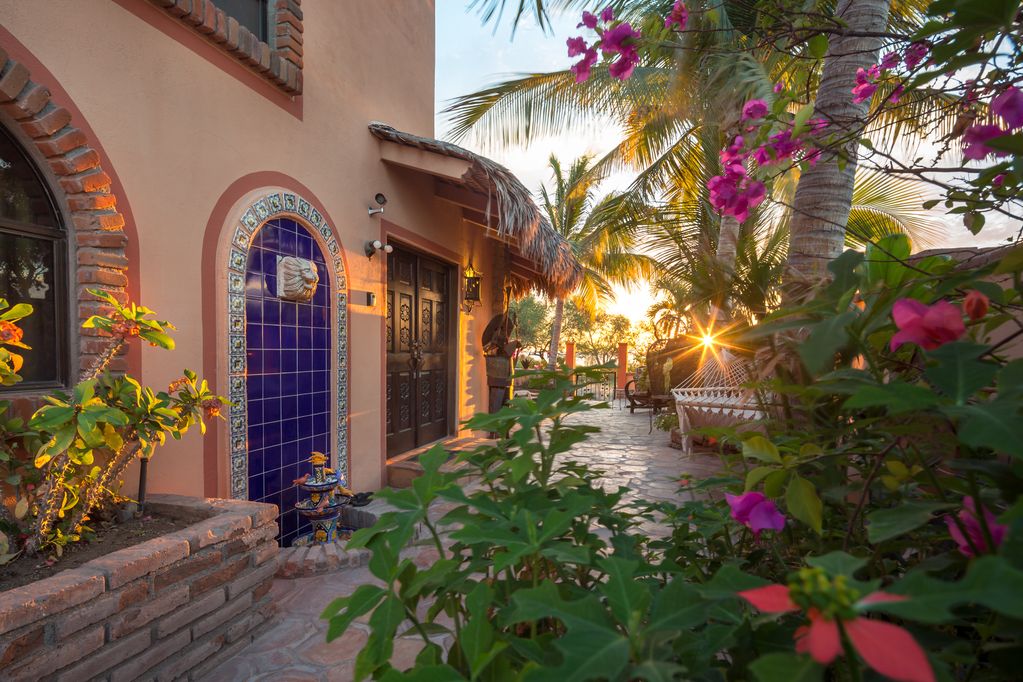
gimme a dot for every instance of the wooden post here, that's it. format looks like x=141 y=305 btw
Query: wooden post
x=570 y=354
x=623 y=364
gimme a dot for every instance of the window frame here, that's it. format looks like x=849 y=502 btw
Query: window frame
x=58 y=238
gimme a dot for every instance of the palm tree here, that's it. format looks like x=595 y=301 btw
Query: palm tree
x=675 y=108
x=602 y=240
x=823 y=198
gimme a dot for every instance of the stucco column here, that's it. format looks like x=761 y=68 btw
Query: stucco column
x=570 y=354
x=623 y=363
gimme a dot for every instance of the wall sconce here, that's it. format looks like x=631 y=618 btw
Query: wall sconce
x=473 y=282
x=377 y=245
x=381 y=200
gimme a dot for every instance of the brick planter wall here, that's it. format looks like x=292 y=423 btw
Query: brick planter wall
x=169 y=608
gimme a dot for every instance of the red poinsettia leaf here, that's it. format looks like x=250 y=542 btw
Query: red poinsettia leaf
x=890 y=650
x=821 y=639
x=770 y=599
x=878 y=598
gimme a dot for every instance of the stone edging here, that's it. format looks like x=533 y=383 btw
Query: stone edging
x=280 y=62
x=170 y=608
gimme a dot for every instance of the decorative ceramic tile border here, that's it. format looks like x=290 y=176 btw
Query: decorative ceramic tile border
x=272 y=206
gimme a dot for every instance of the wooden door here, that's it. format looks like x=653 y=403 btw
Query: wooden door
x=419 y=365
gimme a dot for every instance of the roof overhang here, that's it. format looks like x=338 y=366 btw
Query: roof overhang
x=492 y=200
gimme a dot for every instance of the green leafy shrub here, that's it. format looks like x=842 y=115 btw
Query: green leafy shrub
x=887 y=469
x=64 y=465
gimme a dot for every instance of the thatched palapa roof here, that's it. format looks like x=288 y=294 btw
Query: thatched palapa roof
x=509 y=210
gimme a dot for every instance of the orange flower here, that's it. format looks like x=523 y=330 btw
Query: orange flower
x=975 y=305
x=211 y=408
x=10 y=332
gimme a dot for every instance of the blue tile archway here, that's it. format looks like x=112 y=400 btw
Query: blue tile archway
x=287 y=371
x=284 y=389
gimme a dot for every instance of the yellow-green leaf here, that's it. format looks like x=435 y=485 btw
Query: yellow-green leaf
x=803 y=503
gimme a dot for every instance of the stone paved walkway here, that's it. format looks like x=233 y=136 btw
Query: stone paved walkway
x=294 y=648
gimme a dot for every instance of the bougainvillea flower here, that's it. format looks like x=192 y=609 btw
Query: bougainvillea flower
x=887 y=648
x=778 y=87
x=926 y=326
x=863 y=92
x=975 y=537
x=890 y=61
x=623 y=67
x=975 y=304
x=1009 y=105
x=620 y=39
x=589 y=21
x=608 y=15
x=678 y=17
x=582 y=68
x=576 y=46
x=915 y=54
x=897 y=93
x=756 y=512
x=998 y=180
x=755 y=108
x=974 y=138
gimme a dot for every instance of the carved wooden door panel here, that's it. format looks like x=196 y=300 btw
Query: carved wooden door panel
x=418 y=350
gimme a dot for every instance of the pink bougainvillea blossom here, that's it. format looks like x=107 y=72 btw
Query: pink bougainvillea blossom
x=928 y=326
x=576 y=46
x=1009 y=106
x=974 y=139
x=890 y=61
x=589 y=21
x=623 y=67
x=756 y=512
x=608 y=15
x=998 y=180
x=975 y=537
x=679 y=16
x=778 y=87
x=582 y=68
x=915 y=54
x=755 y=108
x=897 y=93
x=619 y=39
x=865 y=86
x=887 y=648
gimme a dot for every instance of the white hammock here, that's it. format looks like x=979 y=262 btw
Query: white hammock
x=714 y=395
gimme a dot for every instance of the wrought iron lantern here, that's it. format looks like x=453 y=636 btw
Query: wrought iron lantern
x=471 y=288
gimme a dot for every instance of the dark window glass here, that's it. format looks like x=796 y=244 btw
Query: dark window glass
x=33 y=265
x=252 y=14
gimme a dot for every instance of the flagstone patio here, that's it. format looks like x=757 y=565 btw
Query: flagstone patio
x=294 y=647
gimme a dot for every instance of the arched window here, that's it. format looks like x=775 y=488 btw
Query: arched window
x=33 y=265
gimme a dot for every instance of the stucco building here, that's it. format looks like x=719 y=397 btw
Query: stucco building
x=177 y=152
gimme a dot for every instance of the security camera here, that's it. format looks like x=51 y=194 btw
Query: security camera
x=381 y=200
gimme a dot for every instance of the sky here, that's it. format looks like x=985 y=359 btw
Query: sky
x=471 y=56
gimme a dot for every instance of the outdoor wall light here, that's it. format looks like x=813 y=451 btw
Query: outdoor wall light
x=473 y=282
x=381 y=200
x=377 y=245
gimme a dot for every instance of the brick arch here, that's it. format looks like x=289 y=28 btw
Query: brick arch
x=96 y=227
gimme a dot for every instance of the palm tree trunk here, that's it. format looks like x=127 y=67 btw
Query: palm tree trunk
x=728 y=239
x=559 y=313
x=726 y=255
x=824 y=194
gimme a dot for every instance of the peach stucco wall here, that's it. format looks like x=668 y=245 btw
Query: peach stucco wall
x=179 y=131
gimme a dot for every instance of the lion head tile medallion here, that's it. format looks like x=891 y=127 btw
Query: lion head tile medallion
x=296 y=279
